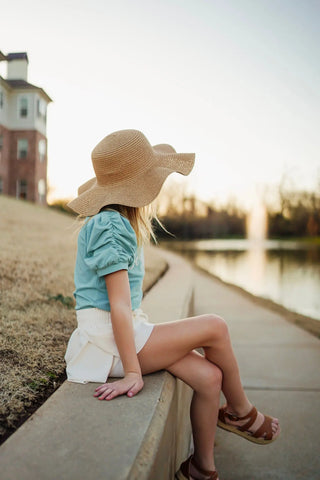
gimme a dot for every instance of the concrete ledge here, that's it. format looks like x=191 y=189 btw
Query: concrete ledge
x=74 y=436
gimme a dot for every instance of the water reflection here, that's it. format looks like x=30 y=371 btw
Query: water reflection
x=285 y=272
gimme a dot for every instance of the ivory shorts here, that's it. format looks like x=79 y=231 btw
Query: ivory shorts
x=92 y=354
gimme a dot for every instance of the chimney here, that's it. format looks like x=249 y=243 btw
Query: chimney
x=17 y=66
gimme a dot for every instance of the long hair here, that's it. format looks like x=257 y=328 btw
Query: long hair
x=141 y=220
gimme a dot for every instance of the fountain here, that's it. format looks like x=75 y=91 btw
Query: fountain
x=257 y=222
x=256 y=261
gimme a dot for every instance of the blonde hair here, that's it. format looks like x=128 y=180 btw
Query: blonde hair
x=140 y=218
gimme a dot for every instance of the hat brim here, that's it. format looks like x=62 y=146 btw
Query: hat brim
x=137 y=191
x=161 y=148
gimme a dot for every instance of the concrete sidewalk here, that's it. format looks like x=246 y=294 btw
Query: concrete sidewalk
x=73 y=436
x=279 y=366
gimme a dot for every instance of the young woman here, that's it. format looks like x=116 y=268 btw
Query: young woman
x=114 y=337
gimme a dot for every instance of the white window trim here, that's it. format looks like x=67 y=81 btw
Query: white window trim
x=42 y=190
x=42 y=156
x=18 y=187
x=18 y=150
x=39 y=105
x=28 y=106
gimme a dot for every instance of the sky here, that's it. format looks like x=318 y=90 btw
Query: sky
x=235 y=81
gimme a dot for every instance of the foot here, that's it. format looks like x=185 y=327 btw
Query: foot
x=190 y=470
x=253 y=426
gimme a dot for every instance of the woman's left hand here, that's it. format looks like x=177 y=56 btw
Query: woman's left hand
x=131 y=384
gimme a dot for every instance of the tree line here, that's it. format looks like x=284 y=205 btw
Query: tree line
x=214 y=223
x=291 y=213
x=297 y=215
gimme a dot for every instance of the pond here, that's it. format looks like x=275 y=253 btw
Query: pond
x=287 y=272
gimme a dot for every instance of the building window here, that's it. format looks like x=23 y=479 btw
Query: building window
x=1 y=185
x=42 y=190
x=1 y=99
x=22 y=148
x=23 y=107
x=22 y=189
x=41 y=109
x=42 y=150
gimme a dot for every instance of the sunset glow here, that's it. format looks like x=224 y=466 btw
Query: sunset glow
x=236 y=82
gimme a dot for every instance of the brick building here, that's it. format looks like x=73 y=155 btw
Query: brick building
x=23 y=141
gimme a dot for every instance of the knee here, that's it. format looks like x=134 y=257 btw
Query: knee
x=217 y=326
x=210 y=378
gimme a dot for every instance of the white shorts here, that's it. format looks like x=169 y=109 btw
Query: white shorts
x=92 y=354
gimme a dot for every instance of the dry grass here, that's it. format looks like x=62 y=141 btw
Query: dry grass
x=37 y=255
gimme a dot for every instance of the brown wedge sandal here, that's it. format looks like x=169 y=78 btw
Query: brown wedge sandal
x=263 y=434
x=184 y=472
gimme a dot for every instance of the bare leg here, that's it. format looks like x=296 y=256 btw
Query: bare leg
x=205 y=379
x=170 y=342
x=176 y=339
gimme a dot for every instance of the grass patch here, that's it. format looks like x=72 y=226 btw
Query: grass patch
x=66 y=301
x=37 y=255
x=308 y=240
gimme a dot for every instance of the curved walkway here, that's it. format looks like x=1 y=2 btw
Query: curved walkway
x=279 y=364
x=74 y=437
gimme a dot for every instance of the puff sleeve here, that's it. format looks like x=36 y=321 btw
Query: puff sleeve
x=110 y=243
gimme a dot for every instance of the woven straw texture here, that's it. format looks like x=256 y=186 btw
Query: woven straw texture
x=129 y=171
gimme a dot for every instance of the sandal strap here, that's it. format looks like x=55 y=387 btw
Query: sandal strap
x=213 y=473
x=265 y=430
x=185 y=468
x=235 y=418
x=252 y=415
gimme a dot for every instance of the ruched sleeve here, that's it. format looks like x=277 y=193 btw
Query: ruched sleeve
x=111 y=243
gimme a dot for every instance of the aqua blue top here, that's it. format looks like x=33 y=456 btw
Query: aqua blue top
x=106 y=243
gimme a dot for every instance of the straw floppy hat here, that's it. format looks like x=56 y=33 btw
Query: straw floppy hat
x=129 y=171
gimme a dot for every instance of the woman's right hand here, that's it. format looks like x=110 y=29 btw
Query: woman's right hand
x=131 y=384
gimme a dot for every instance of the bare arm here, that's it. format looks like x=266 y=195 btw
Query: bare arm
x=118 y=287
x=121 y=316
